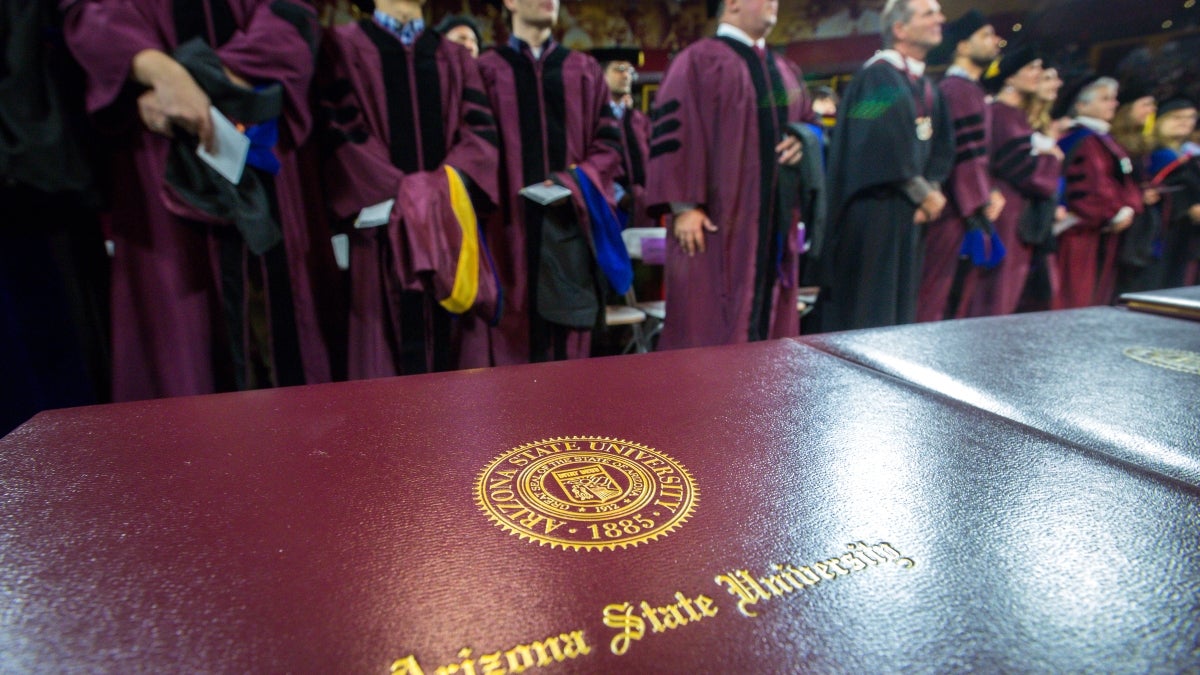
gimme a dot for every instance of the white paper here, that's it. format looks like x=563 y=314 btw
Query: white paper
x=376 y=215
x=341 y=250
x=232 y=147
x=1065 y=224
x=545 y=194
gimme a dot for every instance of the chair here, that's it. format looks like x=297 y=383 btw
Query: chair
x=648 y=244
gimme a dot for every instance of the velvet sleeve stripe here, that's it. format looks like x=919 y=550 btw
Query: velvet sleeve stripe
x=488 y=135
x=607 y=113
x=609 y=133
x=1075 y=177
x=667 y=108
x=472 y=95
x=968 y=121
x=969 y=154
x=665 y=128
x=1076 y=194
x=1011 y=148
x=479 y=118
x=969 y=137
x=664 y=148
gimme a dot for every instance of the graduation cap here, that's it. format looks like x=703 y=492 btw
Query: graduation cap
x=365 y=6
x=1175 y=103
x=1007 y=65
x=1134 y=88
x=453 y=21
x=955 y=32
x=1073 y=86
x=606 y=55
x=713 y=6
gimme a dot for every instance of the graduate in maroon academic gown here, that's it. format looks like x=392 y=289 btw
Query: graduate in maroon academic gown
x=1025 y=166
x=892 y=147
x=195 y=308
x=620 y=71
x=551 y=105
x=718 y=163
x=1101 y=197
x=971 y=204
x=400 y=105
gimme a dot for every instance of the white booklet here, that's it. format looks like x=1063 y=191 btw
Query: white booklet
x=545 y=194
x=375 y=215
x=232 y=147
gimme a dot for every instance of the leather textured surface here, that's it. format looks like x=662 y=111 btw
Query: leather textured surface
x=333 y=528
x=1087 y=376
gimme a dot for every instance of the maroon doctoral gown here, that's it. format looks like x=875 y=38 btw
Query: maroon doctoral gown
x=719 y=114
x=635 y=146
x=967 y=192
x=393 y=118
x=552 y=113
x=1098 y=182
x=174 y=267
x=1020 y=176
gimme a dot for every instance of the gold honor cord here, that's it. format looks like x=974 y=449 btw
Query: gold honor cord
x=466 y=276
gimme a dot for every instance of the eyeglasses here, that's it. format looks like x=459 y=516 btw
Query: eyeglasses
x=624 y=68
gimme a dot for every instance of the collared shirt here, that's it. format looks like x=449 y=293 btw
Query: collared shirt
x=912 y=66
x=407 y=32
x=517 y=43
x=618 y=110
x=730 y=31
x=1098 y=126
x=959 y=71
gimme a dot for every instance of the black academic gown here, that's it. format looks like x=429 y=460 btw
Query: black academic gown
x=873 y=266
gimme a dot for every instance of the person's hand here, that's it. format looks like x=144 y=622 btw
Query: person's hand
x=994 y=206
x=689 y=230
x=176 y=96
x=153 y=115
x=931 y=208
x=789 y=150
x=1122 y=224
x=1194 y=214
x=1151 y=196
x=1060 y=213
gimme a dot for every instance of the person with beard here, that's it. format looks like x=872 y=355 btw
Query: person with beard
x=556 y=131
x=411 y=156
x=724 y=162
x=620 y=72
x=892 y=147
x=1101 y=195
x=1025 y=167
x=961 y=238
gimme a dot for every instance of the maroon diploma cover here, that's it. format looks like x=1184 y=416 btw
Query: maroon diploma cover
x=760 y=508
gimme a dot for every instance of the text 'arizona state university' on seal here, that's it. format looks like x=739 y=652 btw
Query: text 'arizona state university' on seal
x=587 y=493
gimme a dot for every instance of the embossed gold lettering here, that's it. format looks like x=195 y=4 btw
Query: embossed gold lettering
x=787 y=578
x=490 y=664
x=848 y=560
x=407 y=665
x=743 y=587
x=661 y=619
x=776 y=584
x=632 y=627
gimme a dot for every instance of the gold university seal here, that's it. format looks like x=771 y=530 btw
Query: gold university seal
x=1171 y=359
x=586 y=493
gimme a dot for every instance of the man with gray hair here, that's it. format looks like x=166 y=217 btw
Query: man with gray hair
x=892 y=148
